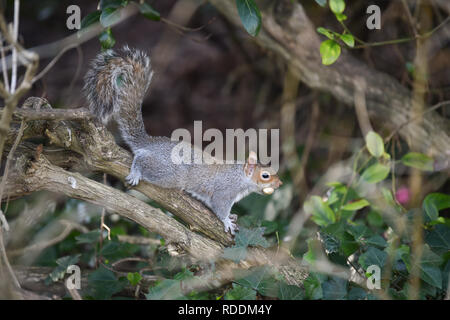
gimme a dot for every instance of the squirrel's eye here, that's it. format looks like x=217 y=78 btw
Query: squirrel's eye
x=265 y=175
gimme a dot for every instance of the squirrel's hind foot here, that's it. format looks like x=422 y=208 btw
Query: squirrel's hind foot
x=133 y=178
x=230 y=225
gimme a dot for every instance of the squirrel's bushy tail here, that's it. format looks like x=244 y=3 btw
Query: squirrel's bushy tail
x=115 y=86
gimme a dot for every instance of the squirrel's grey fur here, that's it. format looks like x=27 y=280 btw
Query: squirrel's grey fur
x=115 y=87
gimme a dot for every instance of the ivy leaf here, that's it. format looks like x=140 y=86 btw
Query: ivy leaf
x=433 y=203
x=148 y=12
x=375 y=173
x=90 y=237
x=418 y=160
x=114 y=250
x=60 y=271
x=356 y=205
x=373 y=256
x=167 y=289
x=337 y=6
x=90 y=19
x=320 y=211
x=289 y=292
x=357 y=293
x=239 y=292
x=348 y=39
x=374 y=144
x=259 y=279
x=376 y=240
x=251 y=237
x=439 y=239
x=330 y=51
x=334 y=289
x=235 y=253
x=250 y=16
x=431 y=275
x=313 y=286
x=103 y=283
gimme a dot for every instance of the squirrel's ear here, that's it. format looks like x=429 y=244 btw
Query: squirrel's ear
x=252 y=158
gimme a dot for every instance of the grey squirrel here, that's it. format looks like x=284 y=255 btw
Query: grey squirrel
x=115 y=87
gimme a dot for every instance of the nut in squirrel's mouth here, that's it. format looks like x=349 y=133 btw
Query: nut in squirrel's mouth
x=268 y=190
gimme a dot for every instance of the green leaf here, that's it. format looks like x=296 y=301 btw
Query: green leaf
x=321 y=3
x=357 y=293
x=320 y=211
x=431 y=275
x=109 y=16
x=106 y=39
x=337 y=6
x=430 y=258
x=251 y=237
x=374 y=144
x=103 y=284
x=90 y=19
x=168 y=289
x=373 y=256
x=112 y=4
x=439 y=239
x=239 y=292
x=235 y=253
x=348 y=39
x=289 y=292
x=88 y=237
x=330 y=51
x=376 y=240
x=314 y=249
x=356 y=205
x=341 y=17
x=418 y=160
x=134 y=278
x=313 y=286
x=326 y=32
x=114 y=250
x=259 y=279
x=334 y=289
x=184 y=275
x=250 y=16
x=433 y=203
x=375 y=173
x=60 y=271
x=148 y=12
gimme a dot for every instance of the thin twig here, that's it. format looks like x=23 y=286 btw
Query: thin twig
x=53 y=62
x=5 y=72
x=14 y=50
x=416 y=118
x=6 y=171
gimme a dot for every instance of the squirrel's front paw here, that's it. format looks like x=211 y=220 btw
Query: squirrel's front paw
x=133 y=178
x=230 y=225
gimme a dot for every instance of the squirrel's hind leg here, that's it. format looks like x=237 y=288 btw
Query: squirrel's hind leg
x=135 y=174
x=222 y=210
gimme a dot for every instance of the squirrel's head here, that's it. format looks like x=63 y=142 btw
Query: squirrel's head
x=264 y=177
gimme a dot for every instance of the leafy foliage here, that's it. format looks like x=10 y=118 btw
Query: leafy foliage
x=250 y=16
